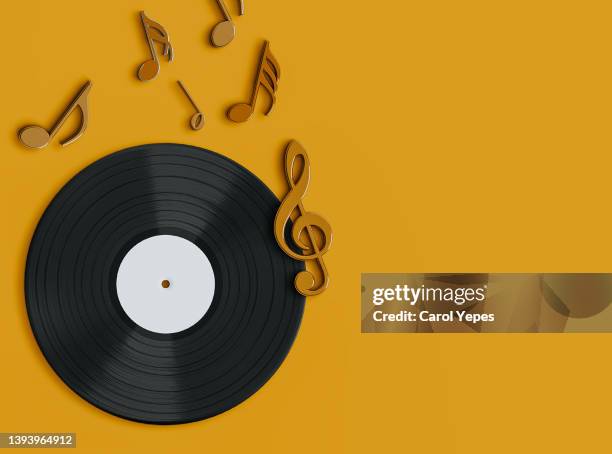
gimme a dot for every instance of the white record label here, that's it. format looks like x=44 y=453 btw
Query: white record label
x=165 y=284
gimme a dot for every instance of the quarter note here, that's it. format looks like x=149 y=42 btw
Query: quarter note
x=309 y=232
x=34 y=136
x=268 y=75
x=224 y=32
x=197 y=119
x=154 y=33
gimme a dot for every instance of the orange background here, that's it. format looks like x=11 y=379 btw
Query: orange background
x=444 y=136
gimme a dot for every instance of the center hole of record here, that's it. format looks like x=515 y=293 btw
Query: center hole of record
x=153 y=301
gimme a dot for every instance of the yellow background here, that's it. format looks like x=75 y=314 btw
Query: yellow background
x=444 y=136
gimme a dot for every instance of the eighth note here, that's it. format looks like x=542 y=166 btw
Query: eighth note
x=268 y=75
x=154 y=33
x=35 y=136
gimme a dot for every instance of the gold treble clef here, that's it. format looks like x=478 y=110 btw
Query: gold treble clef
x=307 y=225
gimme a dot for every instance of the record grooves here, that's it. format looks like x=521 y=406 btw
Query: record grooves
x=71 y=284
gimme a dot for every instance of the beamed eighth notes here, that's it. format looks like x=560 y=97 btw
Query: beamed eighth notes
x=309 y=232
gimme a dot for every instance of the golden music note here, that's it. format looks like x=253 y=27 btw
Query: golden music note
x=197 y=119
x=154 y=33
x=224 y=32
x=34 y=136
x=268 y=75
x=307 y=226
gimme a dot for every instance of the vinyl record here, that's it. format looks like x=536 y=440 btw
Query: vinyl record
x=155 y=288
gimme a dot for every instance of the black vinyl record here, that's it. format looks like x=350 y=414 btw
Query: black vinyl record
x=71 y=284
